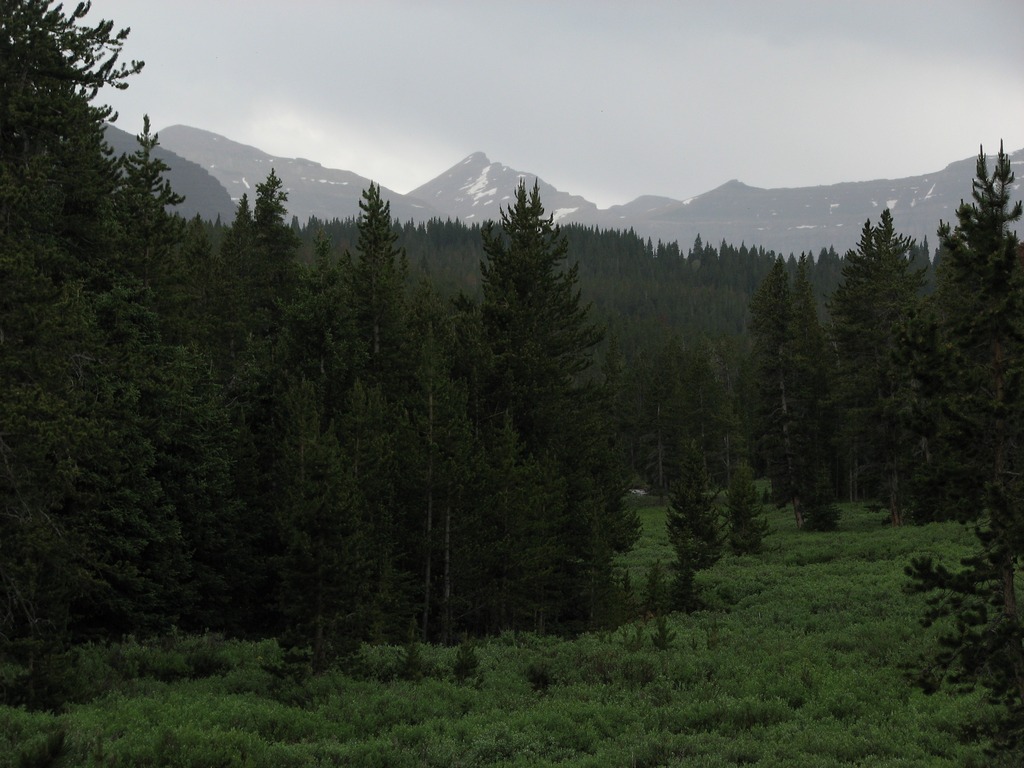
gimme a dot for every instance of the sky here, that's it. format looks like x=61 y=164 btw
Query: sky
x=608 y=100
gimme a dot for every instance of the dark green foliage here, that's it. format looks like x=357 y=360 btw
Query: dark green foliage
x=467 y=666
x=378 y=281
x=744 y=513
x=533 y=394
x=538 y=673
x=977 y=321
x=821 y=513
x=321 y=530
x=793 y=373
x=870 y=310
x=663 y=636
x=411 y=666
x=694 y=529
x=656 y=594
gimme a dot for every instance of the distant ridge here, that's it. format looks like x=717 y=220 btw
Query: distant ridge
x=204 y=195
x=791 y=220
x=313 y=190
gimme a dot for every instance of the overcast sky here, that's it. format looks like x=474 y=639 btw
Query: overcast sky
x=605 y=99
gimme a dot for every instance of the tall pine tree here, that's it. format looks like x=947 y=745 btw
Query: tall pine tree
x=869 y=313
x=979 y=329
x=540 y=340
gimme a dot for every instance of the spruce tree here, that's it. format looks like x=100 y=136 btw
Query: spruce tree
x=745 y=515
x=378 y=292
x=540 y=343
x=771 y=325
x=56 y=228
x=794 y=375
x=979 y=328
x=322 y=572
x=693 y=528
x=869 y=314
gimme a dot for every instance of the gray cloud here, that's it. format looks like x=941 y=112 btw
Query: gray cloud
x=606 y=99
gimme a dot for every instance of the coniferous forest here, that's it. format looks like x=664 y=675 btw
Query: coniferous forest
x=532 y=495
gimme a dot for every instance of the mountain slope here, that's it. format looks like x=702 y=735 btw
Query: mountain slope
x=204 y=195
x=313 y=190
x=809 y=218
x=474 y=189
x=785 y=220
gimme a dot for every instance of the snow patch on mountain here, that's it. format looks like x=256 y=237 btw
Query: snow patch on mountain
x=475 y=188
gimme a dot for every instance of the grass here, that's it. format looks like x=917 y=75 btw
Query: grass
x=803 y=657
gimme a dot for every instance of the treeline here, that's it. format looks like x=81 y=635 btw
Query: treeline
x=639 y=289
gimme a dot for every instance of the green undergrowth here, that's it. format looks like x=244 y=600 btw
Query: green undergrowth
x=804 y=656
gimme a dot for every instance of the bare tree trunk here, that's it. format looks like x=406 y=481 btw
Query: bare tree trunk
x=787 y=447
x=430 y=516
x=448 y=573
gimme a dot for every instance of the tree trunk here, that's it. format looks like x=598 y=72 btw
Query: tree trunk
x=448 y=573
x=1010 y=615
x=430 y=516
x=787 y=448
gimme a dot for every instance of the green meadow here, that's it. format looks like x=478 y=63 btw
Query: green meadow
x=804 y=655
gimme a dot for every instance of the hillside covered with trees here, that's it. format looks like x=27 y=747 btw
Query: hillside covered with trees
x=353 y=434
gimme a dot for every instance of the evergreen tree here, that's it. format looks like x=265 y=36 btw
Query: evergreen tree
x=322 y=579
x=771 y=324
x=693 y=528
x=232 y=307
x=440 y=462
x=869 y=312
x=811 y=388
x=378 y=286
x=56 y=228
x=747 y=524
x=980 y=326
x=794 y=371
x=150 y=233
x=540 y=341
x=273 y=272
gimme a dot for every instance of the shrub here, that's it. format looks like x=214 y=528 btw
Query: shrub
x=467 y=665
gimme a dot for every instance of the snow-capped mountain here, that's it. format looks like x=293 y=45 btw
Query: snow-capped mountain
x=476 y=189
x=804 y=218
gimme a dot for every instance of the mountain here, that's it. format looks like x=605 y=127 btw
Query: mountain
x=808 y=218
x=204 y=195
x=475 y=189
x=791 y=220
x=313 y=190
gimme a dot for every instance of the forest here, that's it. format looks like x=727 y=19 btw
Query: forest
x=277 y=460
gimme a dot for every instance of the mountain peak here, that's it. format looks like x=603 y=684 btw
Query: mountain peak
x=477 y=158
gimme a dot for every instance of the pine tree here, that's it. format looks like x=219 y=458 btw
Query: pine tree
x=745 y=515
x=812 y=398
x=273 y=273
x=439 y=460
x=869 y=311
x=980 y=326
x=693 y=528
x=378 y=285
x=150 y=233
x=540 y=342
x=56 y=184
x=794 y=372
x=322 y=572
x=771 y=325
